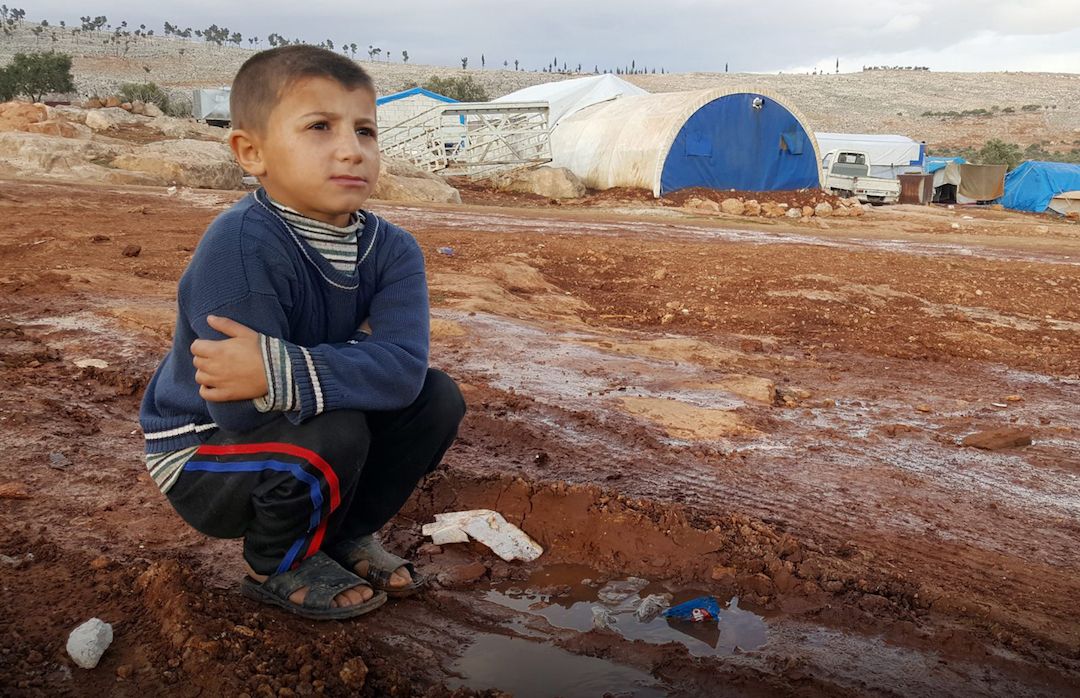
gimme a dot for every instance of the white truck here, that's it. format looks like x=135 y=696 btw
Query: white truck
x=847 y=173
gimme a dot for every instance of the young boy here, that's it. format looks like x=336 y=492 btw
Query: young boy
x=296 y=409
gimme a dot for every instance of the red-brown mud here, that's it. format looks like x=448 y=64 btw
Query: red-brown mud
x=770 y=412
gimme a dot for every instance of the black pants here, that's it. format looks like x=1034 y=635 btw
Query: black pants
x=288 y=490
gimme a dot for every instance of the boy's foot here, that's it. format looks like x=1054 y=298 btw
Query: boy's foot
x=318 y=588
x=386 y=571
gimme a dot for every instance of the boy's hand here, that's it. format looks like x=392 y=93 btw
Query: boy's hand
x=229 y=369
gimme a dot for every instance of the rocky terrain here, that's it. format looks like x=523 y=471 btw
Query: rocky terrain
x=862 y=102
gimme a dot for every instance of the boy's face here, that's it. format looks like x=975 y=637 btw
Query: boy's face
x=318 y=152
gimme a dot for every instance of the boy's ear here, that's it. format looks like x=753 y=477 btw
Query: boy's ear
x=245 y=146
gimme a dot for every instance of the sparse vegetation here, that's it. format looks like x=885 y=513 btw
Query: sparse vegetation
x=35 y=75
x=462 y=88
x=146 y=92
x=999 y=152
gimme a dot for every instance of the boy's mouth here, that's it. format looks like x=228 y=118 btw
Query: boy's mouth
x=349 y=180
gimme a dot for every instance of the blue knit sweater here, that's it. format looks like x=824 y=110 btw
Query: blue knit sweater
x=252 y=268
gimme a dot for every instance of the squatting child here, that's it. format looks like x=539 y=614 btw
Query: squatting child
x=296 y=408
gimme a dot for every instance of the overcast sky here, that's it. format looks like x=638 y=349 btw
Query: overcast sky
x=679 y=35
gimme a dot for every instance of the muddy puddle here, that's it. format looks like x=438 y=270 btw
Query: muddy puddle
x=524 y=669
x=573 y=597
x=578 y=598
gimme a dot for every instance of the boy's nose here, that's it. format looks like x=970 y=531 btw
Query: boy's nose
x=349 y=147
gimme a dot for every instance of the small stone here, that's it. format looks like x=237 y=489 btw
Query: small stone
x=112 y=101
x=753 y=208
x=462 y=575
x=823 y=209
x=808 y=211
x=58 y=460
x=923 y=407
x=89 y=641
x=429 y=549
x=99 y=563
x=14 y=490
x=794 y=213
x=732 y=207
x=756 y=583
x=721 y=573
x=132 y=251
x=998 y=439
x=99 y=238
x=125 y=671
x=153 y=110
x=353 y=673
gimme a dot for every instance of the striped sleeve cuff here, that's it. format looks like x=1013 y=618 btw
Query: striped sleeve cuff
x=281 y=393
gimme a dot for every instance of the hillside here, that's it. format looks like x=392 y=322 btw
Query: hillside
x=876 y=101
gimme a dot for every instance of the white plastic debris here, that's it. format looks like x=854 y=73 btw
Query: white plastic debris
x=89 y=641
x=488 y=527
x=602 y=617
x=614 y=593
x=651 y=606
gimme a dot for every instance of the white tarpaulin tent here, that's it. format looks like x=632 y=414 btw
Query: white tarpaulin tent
x=889 y=155
x=568 y=96
x=719 y=139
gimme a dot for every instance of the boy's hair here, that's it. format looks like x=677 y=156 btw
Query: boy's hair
x=262 y=79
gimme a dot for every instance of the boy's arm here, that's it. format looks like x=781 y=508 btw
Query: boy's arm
x=383 y=371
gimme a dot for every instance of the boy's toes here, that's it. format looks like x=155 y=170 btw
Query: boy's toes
x=354 y=596
x=400 y=577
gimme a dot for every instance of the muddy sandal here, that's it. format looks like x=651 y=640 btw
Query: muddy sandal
x=381 y=564
x=324 y=580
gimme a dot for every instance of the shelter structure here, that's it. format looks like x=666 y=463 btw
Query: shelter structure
x=1037 y=186
x=402 y=106
x=567 y=97
x=890 y=155
x=719 y=139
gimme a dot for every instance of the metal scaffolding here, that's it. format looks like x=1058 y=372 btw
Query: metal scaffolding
x=474 y=139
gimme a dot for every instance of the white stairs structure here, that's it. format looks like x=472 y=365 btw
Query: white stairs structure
x=474 y=139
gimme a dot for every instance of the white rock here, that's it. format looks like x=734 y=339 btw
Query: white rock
x=104 y=119
x=91 y=363
x=552 y=182
x=89 y=641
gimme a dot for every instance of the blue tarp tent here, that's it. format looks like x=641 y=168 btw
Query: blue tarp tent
x=1032 y=185
x=933 y=164
x=719 y=139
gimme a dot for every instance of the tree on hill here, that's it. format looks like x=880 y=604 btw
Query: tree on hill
x=463 y=88
x=998 y=152
x=36 y=74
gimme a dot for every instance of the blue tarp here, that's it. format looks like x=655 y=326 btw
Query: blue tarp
x=729 y=144
x=1032 y=185
x=409 y=93
x=933 y=164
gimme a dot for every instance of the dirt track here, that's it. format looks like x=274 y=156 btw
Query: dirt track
x=739 y=408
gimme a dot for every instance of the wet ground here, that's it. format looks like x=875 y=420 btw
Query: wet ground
x=672 y=406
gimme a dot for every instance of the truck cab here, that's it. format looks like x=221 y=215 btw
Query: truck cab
x=847 y=173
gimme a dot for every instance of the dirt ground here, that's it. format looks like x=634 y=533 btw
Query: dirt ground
x=751 y=408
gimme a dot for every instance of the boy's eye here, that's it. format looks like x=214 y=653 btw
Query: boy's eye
x=365 y=131
x=319 y=126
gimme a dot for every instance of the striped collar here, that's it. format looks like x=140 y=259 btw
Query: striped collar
x=306 y=224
